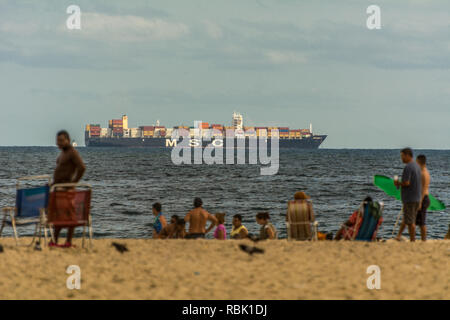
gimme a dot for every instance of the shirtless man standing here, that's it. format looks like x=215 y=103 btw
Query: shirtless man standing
x=197 y=219
x=425 y=200
x=69 y=169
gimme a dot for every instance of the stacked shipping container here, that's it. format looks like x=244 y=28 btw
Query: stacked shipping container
x=119 y=128
x=284 y=132
x=147 y=131
x=94 y=130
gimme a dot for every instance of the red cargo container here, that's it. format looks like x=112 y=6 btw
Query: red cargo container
x=147 y=128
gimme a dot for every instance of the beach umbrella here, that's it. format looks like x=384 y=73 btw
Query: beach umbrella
x=387 y=185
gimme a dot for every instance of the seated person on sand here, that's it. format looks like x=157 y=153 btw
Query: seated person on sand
x=160 y=221
x=220 y=233
x=168 y=230
x=349 y=228
x=267 y=231
x=299 y=216
x=197 y=219
x=238 y=231
x=180 y=229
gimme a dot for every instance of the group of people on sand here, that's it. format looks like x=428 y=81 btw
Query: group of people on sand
x=198 y=218
x=300 y=216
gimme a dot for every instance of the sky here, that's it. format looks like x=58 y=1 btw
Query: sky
x=279 y=63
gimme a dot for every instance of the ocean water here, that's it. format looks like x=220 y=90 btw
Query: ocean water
x=127 y=181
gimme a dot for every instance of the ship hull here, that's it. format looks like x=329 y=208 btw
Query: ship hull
x=306 y=143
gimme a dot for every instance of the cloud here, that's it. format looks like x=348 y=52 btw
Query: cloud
x=129 y=28
x=48 y=43
x=20 y=29
x=213 y=30
x=282 y=57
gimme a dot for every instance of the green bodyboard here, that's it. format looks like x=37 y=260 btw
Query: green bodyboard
x=387 y=185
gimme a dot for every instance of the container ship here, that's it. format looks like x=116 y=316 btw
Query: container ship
x=118 y=134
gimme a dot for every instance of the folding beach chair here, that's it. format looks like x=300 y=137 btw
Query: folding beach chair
x=302 y=228
x=69 y=206
x=368 y=220
x=31 y=203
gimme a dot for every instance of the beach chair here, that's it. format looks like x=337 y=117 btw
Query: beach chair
x=31 y=203
x=368 y=220
x=70 y=206
x=302 y=228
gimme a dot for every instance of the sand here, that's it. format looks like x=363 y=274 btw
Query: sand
x=211 y=269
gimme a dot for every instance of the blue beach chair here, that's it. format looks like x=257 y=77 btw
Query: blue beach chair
x=370 y=223
x=369 y=218
x=369 y=226
x=31 y=203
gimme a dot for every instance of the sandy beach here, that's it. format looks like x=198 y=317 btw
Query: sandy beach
x=205 y=269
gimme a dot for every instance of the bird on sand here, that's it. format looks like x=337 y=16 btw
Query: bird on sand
x=120 y=247
x=251 y=250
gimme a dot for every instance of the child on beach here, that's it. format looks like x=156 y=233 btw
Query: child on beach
x=238 y=231
x=169 y=230
x=220 y=233
x=180 y=229
x=267 y=231
x=160 y=221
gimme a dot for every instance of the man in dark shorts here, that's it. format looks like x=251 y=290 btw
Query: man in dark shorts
x=411 y=192
x=197 y=219
x=69 y=169
x=425 y=202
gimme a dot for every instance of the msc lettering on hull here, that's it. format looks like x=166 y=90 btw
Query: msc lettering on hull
x=194 y=143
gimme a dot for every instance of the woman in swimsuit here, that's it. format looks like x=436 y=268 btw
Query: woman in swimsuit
x=160 y=221
x=267 y=231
